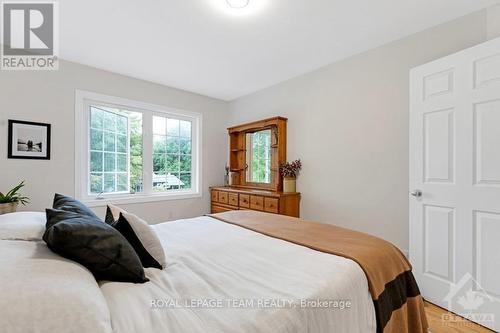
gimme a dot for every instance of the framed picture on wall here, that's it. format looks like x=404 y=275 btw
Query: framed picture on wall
x=28 y=140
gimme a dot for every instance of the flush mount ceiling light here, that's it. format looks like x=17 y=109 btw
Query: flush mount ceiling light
x=237 y=3
x=238 y=8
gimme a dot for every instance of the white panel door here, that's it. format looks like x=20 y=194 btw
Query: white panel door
x=455 y=182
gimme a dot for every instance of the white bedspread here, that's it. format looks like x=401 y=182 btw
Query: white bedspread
x=41 y=292
x=252 y=276
x=28 y=226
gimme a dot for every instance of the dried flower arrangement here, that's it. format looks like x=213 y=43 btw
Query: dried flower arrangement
x=291 y=170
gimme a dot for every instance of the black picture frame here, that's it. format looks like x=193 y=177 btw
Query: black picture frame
x=25 y=155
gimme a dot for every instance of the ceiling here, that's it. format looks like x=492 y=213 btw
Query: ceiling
x=206 y=47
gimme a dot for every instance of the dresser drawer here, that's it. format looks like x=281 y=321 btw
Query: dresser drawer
x=256 y=202
x=215 y=196
x=223 y=197
x=233 y=199
x=271 y=205
x=219 y=209
x=244 y=201
x=238 y=198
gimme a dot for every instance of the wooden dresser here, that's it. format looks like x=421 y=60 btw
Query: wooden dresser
x=233 y=198
x=256 y=151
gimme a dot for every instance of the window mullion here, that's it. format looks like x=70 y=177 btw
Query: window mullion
x=116 y=155
x=147 y=154
x=129 y=153
x=102 y=157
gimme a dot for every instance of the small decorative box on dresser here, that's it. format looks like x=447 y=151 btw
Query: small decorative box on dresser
x=234 y=198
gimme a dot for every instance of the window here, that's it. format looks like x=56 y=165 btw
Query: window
x=171 y=154
x=259 y=156
x=115 y=138
x=131 y=151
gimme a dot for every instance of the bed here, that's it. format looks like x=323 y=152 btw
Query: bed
x=220 y=277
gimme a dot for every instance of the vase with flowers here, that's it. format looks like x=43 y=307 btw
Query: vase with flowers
x=290 y=171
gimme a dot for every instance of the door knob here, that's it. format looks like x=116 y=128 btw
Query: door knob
x=416 y=193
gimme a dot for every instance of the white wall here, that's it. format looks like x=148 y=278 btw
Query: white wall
x=348 y=122
x=493 y=21
x=49 y=97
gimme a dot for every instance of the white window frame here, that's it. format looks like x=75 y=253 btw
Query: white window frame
x=83 y=99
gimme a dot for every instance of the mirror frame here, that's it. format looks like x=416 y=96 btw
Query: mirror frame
x=238 y=164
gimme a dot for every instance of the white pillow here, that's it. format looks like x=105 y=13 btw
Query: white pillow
x=44 y=292
x=27 y=226
x=144 y=232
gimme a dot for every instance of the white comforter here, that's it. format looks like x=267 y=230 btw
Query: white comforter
x=43 y=292
x=223 y=278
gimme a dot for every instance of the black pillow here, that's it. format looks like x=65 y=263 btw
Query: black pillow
x=70 y=204
x=124 y=227
x=94 y=244
x=109 y=219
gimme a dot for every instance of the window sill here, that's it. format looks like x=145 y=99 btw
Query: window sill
x=140 y=198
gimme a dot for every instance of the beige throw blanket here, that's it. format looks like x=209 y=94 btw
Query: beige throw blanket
x=399 y=308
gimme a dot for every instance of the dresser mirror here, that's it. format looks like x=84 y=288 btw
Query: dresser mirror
x=256 y=151
x=259 y=157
